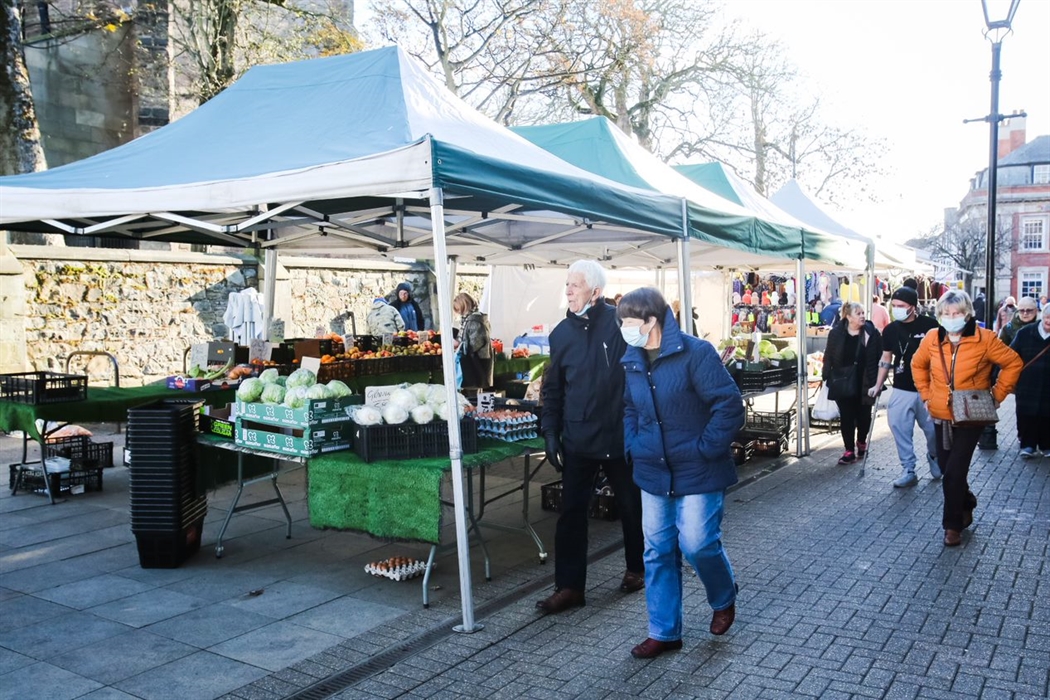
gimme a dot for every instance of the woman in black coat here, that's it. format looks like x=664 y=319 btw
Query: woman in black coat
x=1033 y=389
x=853 y=341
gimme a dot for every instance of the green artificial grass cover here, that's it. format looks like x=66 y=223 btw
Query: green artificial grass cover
x=391 y=499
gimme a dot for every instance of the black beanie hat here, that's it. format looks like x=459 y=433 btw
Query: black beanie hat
x=907 y=295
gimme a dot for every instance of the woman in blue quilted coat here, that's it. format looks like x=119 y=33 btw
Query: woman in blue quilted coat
x=681 y=412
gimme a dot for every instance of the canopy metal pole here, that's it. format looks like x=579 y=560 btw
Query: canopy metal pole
x=727 y=295
x=685 y=290
x=455 y=442
x=870 y=284
x=452 y=277
x=269 y=282
x=801 y=381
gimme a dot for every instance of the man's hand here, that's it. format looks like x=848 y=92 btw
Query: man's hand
x=873 y=391
x=553 y=448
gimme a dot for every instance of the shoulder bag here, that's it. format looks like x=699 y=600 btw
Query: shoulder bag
x=971 y=408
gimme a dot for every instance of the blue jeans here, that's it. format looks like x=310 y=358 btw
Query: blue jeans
x=677 y=527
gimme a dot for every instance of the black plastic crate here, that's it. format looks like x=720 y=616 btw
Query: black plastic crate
x=742 y=451
x=42 y=387
x=757 y=381
x=767 y=443
x=601 y=507
x=33 y=478
x=773 y=422
x=168 y=550
x=411 y=441
x=80 y=448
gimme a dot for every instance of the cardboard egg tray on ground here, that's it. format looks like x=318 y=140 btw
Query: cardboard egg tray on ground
x=397 y=568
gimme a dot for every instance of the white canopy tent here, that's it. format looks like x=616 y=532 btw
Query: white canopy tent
x=363 y=155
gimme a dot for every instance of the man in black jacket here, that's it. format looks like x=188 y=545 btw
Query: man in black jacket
x=583 y=428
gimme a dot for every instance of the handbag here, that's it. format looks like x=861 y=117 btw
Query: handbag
x=971 y=408
x=825 y=409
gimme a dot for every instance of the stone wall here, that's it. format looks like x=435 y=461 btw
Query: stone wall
x=147 y=307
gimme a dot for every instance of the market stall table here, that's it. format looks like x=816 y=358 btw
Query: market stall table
x=102 y=405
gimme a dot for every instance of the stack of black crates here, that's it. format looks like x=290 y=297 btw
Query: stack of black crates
x=167 y=508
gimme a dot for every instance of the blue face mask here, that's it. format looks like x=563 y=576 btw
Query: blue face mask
x=633 y=336
x=952 y=325
x=585 y=309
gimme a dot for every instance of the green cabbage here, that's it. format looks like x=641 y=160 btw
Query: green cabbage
x=317 y=391
x=337 y=388
x=295 y=397
x=273 y=393
x=301 y=377
x=269 y=375
x=250 y=390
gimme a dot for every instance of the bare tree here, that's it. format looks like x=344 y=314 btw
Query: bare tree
x=20 y=147
x=962 y=245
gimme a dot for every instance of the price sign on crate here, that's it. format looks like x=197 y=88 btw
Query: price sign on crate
x=486 y=401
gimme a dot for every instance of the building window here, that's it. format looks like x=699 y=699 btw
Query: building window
x=1033 y=233
x=1041 y=175
x=1031 y=282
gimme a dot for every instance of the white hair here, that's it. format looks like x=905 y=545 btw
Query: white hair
x=593 y=273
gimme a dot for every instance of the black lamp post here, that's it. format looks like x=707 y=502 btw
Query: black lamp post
x=998 y=16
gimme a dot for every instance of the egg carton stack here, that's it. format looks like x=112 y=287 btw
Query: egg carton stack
x=397 y=568
x=508 y=425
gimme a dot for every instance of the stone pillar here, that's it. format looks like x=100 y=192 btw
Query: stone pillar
x=12 y=311
x=153 y=66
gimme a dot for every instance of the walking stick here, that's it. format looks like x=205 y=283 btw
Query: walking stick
x=871 y=431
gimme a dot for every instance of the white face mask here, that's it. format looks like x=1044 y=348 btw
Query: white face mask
x=899 y=314
x=952 y=325
x=633 y=336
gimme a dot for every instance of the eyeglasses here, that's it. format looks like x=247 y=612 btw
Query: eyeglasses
x=1026 y=311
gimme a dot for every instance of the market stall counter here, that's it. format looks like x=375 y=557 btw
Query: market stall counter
x=102 y=404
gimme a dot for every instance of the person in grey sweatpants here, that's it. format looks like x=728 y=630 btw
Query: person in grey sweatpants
x=906 y=409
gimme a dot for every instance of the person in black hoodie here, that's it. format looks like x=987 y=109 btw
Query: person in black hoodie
x=853 y=341
x=582 y=423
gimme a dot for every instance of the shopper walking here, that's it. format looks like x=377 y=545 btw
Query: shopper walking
x=880 y=317
x=475 y=337
x=1027 y=313
x=851 y=364
x=410 y=311
x=1032 y=343
x=959 y=355
x=900 y=340
x=1005 y=314
x=583 y=428
x=682 y=411
x=383 y=318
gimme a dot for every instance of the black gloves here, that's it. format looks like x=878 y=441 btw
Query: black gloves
x=553 y=448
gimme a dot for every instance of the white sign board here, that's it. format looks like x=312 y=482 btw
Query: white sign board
x=259 y=349
x=311 y=363
x=199 y=355
x=486 y=401
x=378 y=396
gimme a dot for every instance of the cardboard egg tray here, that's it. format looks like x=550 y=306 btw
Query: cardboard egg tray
x=397 y=568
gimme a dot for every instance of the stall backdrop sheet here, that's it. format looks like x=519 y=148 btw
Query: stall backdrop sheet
x=391 y=499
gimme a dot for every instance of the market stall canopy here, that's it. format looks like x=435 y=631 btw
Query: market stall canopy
x=821 y=245
x=762 y=235
x=340 y=154
x=793 y=199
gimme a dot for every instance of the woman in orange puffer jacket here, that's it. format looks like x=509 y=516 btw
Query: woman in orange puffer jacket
x=972 y=352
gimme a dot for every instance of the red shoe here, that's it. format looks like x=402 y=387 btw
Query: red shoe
x=848 y=457
x=862 y=448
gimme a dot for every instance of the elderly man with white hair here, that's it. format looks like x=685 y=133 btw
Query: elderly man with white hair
x=582 y=422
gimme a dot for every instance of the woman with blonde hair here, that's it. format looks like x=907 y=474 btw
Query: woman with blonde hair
x=851 y=367
x=475 y=338
x=959 y=355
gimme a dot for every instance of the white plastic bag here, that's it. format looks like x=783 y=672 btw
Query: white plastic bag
x=825 y=408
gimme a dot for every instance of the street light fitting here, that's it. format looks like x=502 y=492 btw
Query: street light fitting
x=998 y=17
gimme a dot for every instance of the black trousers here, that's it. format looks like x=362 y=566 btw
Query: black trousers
x=570 y=537
x=855 y=420
x=955 y=463
x=1032 y=432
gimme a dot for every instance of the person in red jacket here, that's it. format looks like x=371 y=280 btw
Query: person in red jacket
x=959 y=355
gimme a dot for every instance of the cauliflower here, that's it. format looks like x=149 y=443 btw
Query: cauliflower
x=422 y=414
x=366 y=415
x=420 y=391
x=402 y=398
x=395 y=415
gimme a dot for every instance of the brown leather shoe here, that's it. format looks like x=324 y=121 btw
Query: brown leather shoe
x=632 y=582
x=952 y=538
x=561 y=600
x=722 y=620
x=651 y=648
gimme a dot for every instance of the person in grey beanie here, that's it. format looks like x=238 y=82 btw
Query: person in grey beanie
x=900 y=340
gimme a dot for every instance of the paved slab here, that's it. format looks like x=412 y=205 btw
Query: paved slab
x=846 y=591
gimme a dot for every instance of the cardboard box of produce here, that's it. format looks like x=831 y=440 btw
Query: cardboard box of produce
x=300 y=442
x=196 y=384
x=314 y=413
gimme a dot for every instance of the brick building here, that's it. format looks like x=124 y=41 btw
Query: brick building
x=1022 y=211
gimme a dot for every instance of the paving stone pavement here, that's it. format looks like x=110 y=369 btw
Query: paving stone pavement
x=846 y=591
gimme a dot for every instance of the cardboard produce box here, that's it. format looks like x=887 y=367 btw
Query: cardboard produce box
x=298 y=442
x=316 y=412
